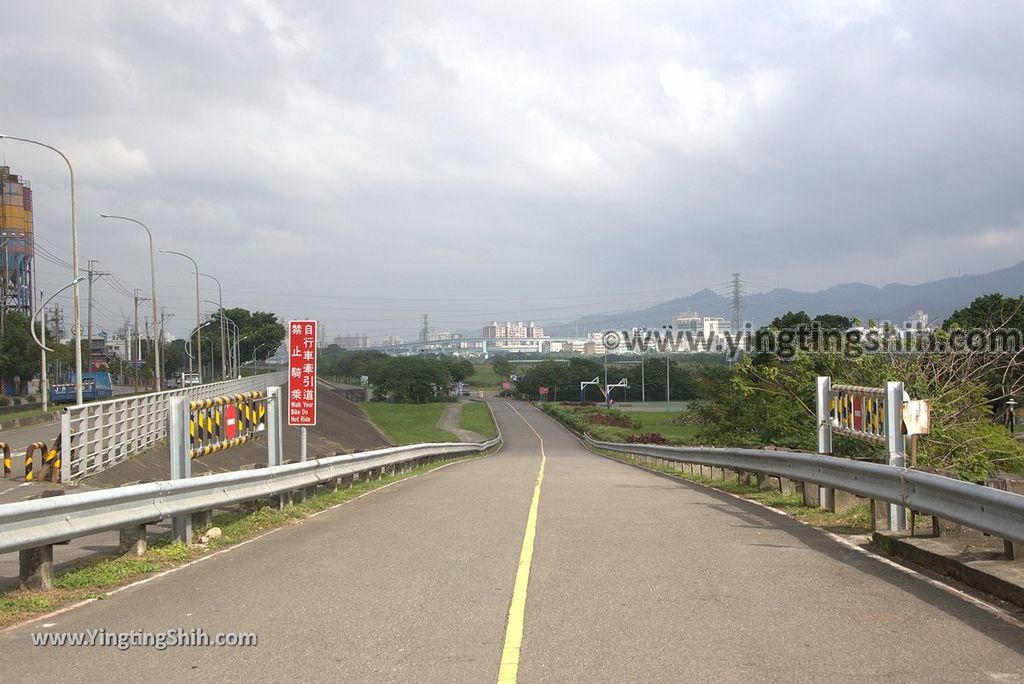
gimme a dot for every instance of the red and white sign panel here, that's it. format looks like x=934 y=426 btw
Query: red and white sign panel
x=230 y=421
x=543 y=390
x=302 y=373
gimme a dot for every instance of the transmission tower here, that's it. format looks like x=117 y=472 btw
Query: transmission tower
x=737 y=291
x=425 y=332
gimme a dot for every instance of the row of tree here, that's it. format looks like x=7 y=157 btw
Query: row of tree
x=405 y=379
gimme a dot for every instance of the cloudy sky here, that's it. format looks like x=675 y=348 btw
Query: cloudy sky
x=365 y=162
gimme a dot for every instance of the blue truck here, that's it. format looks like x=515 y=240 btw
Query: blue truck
x=95 y=385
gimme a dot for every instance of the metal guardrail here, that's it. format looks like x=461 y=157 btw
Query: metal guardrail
x=98 y=435
x=983 y=508
x=41 y=522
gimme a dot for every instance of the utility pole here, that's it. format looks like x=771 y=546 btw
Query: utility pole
x=163 y=317
x=138 y=339
x=43 y=394
x=92 y=276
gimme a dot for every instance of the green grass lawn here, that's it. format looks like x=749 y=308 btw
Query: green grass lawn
x=658 y=421
x=409 y=423
x=476 y=417
x=484 y=377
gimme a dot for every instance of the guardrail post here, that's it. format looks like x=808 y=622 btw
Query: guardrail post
x=895 y=445
x=181 y=464
x=826 y=497
x=65 y=446
x=133 y=540
x=35 y=568
x=275 y=452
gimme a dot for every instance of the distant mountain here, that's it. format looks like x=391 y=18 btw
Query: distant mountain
x=893 y=302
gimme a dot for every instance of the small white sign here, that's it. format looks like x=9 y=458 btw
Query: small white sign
x=917 y=417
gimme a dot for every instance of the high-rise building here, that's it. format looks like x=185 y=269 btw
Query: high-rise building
x=512 y=330
x=17 y=242
x=352 y=341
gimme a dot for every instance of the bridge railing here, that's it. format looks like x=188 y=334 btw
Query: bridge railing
x=100 y=434
x=994 y=511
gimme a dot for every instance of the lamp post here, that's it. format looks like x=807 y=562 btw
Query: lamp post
x=643 y=380
x=157 y=332
x=1011 y=404
x=223 y=347
x=188 y=347
x=42 y=345
x=238 y=350
x=74 y=265
x=254 y=354
x=199 y=342
x=668 y=358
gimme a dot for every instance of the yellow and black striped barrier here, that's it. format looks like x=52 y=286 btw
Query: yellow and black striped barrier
x=30 y=453
x=858 y=413
x=51 y=463
x=8 y=468
x=208 y=426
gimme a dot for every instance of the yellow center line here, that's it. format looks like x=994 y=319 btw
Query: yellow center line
x=509 y=669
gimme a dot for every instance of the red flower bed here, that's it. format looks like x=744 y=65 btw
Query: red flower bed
x=647 y=438
x=613 y=421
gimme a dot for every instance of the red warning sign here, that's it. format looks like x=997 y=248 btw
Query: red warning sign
x=230 y=421
x=302 y=373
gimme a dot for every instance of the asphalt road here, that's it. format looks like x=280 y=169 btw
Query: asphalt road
x=633 y=577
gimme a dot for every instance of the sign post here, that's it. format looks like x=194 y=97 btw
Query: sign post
x=302 y=378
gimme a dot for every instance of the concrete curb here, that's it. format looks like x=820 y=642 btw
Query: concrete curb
x=974 y=574
x=15 y=423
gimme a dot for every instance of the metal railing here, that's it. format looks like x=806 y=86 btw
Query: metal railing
x=983 y=508
x=858 y=412
x=41 y=522
x=98 y=435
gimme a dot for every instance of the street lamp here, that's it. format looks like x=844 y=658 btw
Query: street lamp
x=254 y=353
x=1011 y=404
x=188 y=347
x=74 y=265
x=42 y=345
x=199 y=342
x=668 y=358
x=157 y=367
x=223 y=348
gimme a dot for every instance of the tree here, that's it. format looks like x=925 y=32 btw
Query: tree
x=988 y=312
x=258 y=331
x=412 y=379
x=19 y=354
x=351 y=365
x=459 y=369
x=502 y=366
